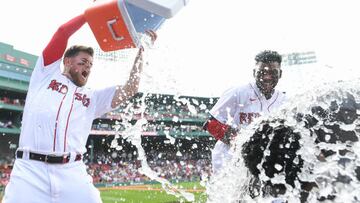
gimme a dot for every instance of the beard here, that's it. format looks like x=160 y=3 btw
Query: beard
x=77 y=78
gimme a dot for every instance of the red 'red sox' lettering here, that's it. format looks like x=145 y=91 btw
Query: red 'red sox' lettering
x=248 y=117
x=61 y=88
x=58 y=86
x=83 y=98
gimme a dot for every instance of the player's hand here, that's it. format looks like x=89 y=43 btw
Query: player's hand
x=149 y=42
x=152 y=35
x=229 y=135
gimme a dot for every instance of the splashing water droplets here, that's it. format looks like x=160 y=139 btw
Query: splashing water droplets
x=333 y=166
x=178 y=153
x=132 y=133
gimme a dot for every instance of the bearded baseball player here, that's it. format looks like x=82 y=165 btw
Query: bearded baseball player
x=57 y=120
x=238 y=106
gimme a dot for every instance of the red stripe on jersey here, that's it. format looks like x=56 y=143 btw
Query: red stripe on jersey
x=57 y=120
x=67 y=122
x=277 y=95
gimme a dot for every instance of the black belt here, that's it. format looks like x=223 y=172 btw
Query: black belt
x=49 y=158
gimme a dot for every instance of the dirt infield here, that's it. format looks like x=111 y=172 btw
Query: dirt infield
x=144 y=187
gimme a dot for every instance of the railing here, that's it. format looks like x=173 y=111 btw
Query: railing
x=150 y=182
x=162 y=116
x=176 y=134
x=183 y=134
x=11 y=107
x=16 y=85
x=10 y=130
x=16 y=71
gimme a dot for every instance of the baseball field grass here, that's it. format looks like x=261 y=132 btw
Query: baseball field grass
x=152 y=193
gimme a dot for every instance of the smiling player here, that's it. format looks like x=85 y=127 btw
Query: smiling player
x=238 y=106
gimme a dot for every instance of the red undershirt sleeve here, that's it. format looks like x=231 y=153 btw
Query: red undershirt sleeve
x=216 y=128
x=57 y=45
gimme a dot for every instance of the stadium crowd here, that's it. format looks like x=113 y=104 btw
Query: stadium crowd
x=5 y=169
x=17 y=102
x=110 y=169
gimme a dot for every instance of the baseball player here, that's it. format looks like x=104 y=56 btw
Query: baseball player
x=57 y=120
x=238 y=106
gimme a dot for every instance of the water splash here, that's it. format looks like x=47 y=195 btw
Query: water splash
x=133 y=133
x=328 y=154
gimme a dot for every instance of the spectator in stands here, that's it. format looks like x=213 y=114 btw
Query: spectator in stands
x=6 y=124
x=238 y=106
x=57 y=120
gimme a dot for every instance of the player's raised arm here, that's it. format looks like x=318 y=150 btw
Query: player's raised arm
x=57 y=45
x=131 y=87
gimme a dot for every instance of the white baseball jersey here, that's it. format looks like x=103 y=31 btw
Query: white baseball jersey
x=57 y=119
x=237 y=107
x=58 y=115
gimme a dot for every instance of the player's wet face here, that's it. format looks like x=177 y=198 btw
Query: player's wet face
x=267 y=76
x=80 y=68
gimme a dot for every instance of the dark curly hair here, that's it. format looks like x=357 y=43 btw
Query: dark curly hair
x=268 y=56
